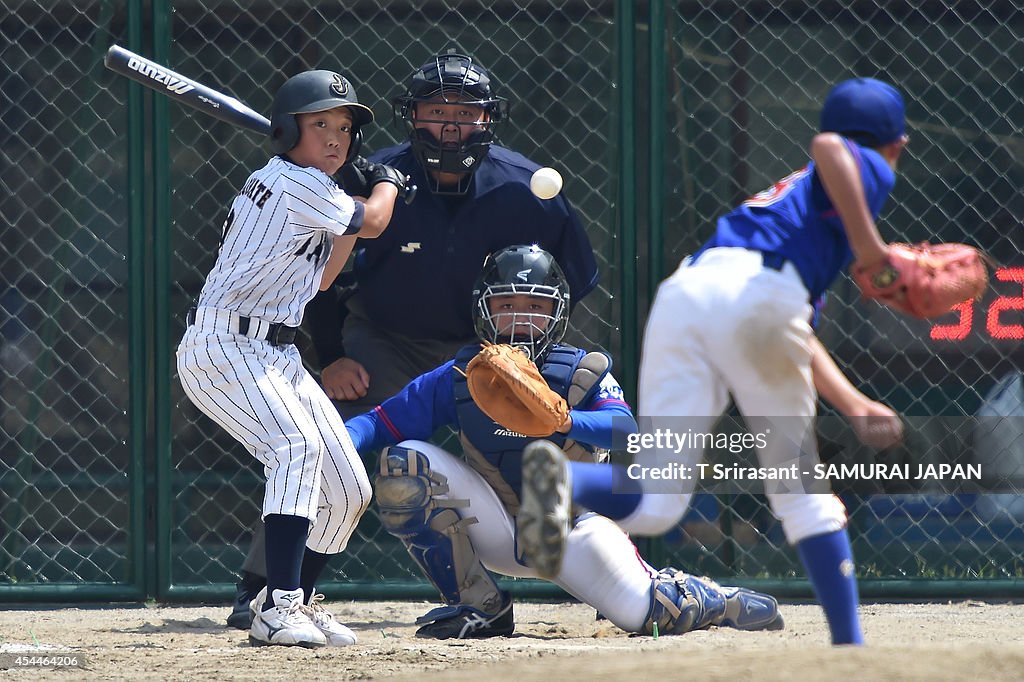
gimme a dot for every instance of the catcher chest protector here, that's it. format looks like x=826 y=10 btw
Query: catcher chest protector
x=432 y=530
x=314 y=91
x=451 y=77
x=496 y=452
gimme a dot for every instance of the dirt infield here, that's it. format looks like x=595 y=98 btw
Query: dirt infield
x=963 y=640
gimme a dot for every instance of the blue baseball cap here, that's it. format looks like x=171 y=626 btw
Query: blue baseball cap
x=866 y=110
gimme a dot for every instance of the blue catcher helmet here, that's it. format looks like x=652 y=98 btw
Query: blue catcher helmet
x=522 y=270
x=451 y=78
x=865 y=110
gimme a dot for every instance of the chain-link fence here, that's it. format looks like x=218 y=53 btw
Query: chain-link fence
x=660 y=115
x=69 y=507
x=743 y=84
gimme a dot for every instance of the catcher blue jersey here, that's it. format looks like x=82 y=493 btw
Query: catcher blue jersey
x=428 y=402
x=795 y=219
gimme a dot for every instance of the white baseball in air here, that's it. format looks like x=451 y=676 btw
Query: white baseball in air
x=546 y=183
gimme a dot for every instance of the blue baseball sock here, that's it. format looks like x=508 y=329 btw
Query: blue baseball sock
x=828 y=560
x=312 y=566
x=286 y=541
x=604 y=489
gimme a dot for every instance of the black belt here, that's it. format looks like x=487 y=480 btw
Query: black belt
x=772 y=261
x=278 y=334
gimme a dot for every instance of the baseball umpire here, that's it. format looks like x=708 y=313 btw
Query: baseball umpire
x=479 y=200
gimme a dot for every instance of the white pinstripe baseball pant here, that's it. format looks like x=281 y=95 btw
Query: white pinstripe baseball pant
x=263 y=396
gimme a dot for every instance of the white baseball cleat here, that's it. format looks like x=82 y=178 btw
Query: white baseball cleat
x=545 y=511
x=285 y=623
x=334 y=632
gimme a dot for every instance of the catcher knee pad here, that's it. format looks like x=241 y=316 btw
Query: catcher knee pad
x=681 y=602
x=406 y=489
x=411 y=508
x=805 y=515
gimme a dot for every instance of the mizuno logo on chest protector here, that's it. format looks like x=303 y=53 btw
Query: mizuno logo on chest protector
x=508 y=433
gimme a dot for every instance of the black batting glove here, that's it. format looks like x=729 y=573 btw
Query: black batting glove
x=377 y=173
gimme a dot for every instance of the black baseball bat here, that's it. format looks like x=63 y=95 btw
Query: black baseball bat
x=184 y=90
x=196 y=95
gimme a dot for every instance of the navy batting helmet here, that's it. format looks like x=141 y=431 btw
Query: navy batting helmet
x=312 y=91
x=865 y=110
x=451 y=78
x=522 y=270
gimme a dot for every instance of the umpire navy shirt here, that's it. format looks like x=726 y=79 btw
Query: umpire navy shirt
x=417 y=278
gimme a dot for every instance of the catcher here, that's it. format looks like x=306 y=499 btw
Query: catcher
x=734 y=320
x=458 y=518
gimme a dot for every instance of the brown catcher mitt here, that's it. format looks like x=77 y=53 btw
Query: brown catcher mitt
x=925 y=280
x=509 y=389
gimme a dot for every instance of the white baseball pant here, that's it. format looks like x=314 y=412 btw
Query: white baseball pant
x=601 y=566
x=729 y=324
x=263 y=396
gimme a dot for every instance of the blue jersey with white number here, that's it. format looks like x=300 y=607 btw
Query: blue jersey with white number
x=796 y=220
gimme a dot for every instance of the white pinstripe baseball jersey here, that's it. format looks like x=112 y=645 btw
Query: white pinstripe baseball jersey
x=276 y=242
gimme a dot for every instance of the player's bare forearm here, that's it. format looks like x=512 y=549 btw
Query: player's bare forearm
x=841 y=178
x=340 y=251
x=875 y=424
x=378 y=209
x=832 y=384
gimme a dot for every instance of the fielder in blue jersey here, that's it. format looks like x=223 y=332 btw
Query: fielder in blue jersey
x=735 y=319
x=458 y=516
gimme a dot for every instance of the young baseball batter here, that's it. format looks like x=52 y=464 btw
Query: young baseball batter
x=457 y=517
x=287 y=234
x=735 y=319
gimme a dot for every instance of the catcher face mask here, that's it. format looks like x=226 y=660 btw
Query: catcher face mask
x=524 y=316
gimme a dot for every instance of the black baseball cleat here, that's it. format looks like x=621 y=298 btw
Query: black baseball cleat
x=466 y=622
x=245 y=591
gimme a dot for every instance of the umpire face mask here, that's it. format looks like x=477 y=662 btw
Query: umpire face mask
x=450 y=139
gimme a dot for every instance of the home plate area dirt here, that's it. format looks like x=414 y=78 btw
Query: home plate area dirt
x=933 y=641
